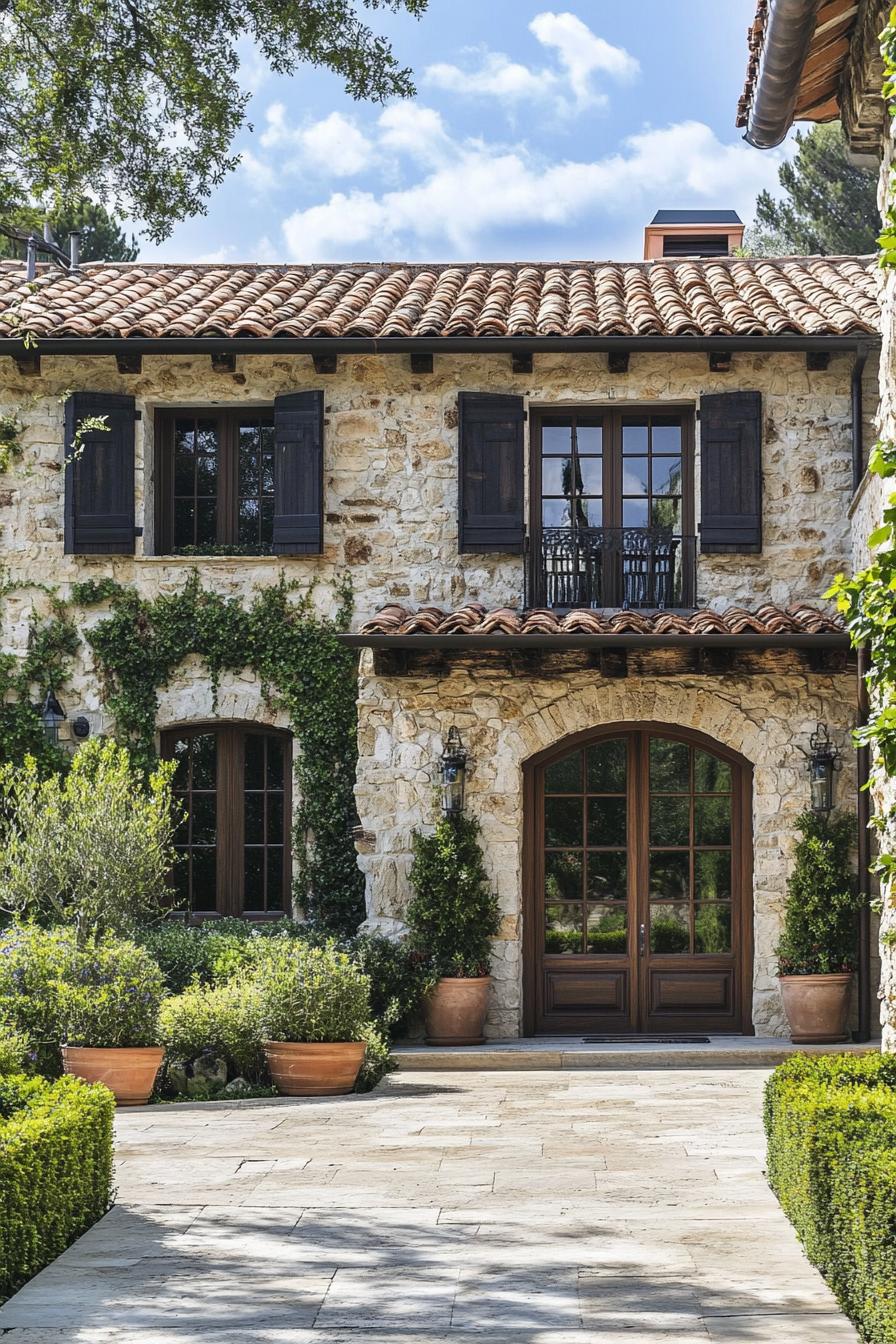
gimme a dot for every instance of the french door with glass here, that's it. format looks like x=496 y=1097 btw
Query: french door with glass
x=638 y=917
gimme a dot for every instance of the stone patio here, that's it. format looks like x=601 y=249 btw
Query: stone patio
x=568 y=1207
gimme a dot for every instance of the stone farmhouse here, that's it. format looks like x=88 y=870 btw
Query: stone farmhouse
x=816 y=62
x=589 y=510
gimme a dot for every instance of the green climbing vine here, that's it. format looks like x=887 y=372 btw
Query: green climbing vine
x=52 y=644
x=887 y=239
x=304 y=671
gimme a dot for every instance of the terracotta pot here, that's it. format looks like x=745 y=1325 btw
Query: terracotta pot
x=128 y=1071
x=455 y=1011
x=817 y=1007
x=319 y=1069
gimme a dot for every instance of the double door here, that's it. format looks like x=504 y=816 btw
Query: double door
x=639 y=907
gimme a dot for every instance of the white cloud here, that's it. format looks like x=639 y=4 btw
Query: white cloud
x=409 y=128
x=580 y=56
x=478 y=190
x=333 y=145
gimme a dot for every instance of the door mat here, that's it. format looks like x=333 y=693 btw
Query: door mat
x=645 y=1040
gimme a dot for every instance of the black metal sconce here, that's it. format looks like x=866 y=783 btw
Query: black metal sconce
x=453 y=772
x=52 y=715
x=823 y=761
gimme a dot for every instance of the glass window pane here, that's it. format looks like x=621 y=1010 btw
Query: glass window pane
x=712 y=928
x=250 y=468
x=591 y=473
x=563 y=822
x=254 y=818
x=275 y=819
x=206 y=475
x=203 y=818
x=267 y=474
x=634 y=513
x=275 y=878
x=253 y=871
x=606 y=929
x=276 y=752
x=266 y=531
x=607 y=876
x=254 y=761
x=206 y=436
x=669 y=876
x=563 y=928
x=710 y=774
x=669 y=930
x=666 y=434
x=179 y=878
x=181 y=754
x=556 y=476
x=248 y=522
x=634 y=436
x=205 y=760
x=669 y=766
x=606 y=821
x=670 y=820
x=667 y=476
x=184 y=522
x=590 y=512
x=634 y=476
x=556 y=439
x=184 y=438
x=556 y=513
x=184 y=474
x=563 y=876
x=712 y=875
x=564 y=776
x=203 y=863
x=206 y=522
x=712 y=820
x=666 y=512
x=607 y=766
x=589 y=438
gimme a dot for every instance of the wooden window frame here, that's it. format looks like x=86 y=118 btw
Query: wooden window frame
x=612 y=418
x=228 y=424
x=230 y=814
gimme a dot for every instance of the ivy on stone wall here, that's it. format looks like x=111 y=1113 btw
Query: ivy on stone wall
x=305 y=673
x=887 y=239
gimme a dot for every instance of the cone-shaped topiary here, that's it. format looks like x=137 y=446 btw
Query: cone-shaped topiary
x=819 y=936
x=453 y=914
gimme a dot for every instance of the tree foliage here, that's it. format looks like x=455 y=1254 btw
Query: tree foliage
x=138 y=102
x=102 y=237
x=829 y=206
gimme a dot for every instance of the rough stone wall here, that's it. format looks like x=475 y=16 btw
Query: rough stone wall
x=505 y=719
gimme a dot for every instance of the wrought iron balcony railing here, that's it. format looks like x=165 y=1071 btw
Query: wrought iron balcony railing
x=641 y=567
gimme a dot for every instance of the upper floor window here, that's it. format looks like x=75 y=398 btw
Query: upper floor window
x=612 y=509
x=216 y=482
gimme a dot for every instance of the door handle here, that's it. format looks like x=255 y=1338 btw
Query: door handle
x=642 y=939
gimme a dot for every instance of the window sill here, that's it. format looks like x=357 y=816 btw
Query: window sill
x=231 y=561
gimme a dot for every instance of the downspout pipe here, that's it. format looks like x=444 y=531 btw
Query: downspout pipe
x=858 y=452
x=788 y=33
x=863 y=814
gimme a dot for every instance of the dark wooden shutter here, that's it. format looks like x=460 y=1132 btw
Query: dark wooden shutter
x=491 y=487
x=299 y=474
x=99 y=475
x=731 y=472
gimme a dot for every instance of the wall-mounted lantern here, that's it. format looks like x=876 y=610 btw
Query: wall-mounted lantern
x=453 y=773
x=823 y=758
x=52 y=716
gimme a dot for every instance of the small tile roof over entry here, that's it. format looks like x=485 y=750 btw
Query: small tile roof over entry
x=475 y=619
x=720 y=296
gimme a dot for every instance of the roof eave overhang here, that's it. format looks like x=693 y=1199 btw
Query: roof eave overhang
x=575 y=640
x=362 y=345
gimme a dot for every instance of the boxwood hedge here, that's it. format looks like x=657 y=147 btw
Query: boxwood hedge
x=831 y=1128
x=55 y=1170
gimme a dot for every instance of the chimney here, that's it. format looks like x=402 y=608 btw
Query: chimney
x=693 y=233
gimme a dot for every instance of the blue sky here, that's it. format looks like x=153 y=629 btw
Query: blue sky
x=538 y=132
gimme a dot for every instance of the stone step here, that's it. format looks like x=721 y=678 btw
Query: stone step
x=567 y=1052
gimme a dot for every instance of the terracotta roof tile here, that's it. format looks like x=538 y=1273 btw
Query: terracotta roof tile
x=812 y=296
x=475 y=619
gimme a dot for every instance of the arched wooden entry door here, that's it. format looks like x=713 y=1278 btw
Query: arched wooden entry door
x=638 y=863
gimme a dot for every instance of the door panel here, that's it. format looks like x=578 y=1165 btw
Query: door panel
x=639 y=917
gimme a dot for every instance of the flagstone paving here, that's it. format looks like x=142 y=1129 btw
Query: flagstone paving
x=535 y=1207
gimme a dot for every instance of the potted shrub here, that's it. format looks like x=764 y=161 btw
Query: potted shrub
x=313 y=1008
x=453 y=915
x=109 y=1010
x=817 y=950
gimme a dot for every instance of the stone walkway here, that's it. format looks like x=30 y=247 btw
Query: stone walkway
x=533 y=1207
